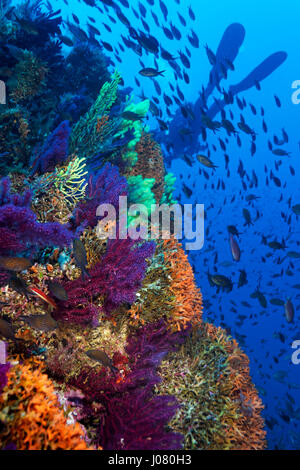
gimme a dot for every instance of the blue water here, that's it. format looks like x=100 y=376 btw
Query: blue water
x=270 y=27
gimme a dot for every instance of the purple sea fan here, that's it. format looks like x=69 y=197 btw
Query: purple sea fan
x=28 y=233
x=7 y=197
x=130 y=416
x=4 y=368
x=117 y=277
x=19 y=228
x=103 y=188
x=55 y=150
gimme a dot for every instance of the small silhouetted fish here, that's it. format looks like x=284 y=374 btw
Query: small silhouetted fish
x=15 y=264
x=296 y=209
x=80 y=256
x=242 y=278
x=150 y=72
x=66 y=40
x=247 y=217
x=233 y=230
x=277 y=101
x=57 y=290
x=101 y=357
x=206 y=161
x=43 y=323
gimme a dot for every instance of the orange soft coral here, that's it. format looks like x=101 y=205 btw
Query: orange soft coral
x=31 y=415
x=188 y=299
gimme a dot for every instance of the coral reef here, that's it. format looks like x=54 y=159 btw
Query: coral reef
x=106 y=344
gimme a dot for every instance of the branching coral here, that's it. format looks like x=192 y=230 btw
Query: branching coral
x=28 y=78
x=87 y=139
x=219 y=404
x=31 y=415
x=69 y=180
x=247 y=431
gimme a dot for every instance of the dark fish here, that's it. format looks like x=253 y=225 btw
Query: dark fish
x=107 y=46
x=191 y=14
x=193 y=39
x=181 y=19
x=164 y=9
x=76 y=19
x=247 y=217
x=80 y=256
x=242 y=278
x=296 y=209
x=66 y=40
x=187 y=191
x=100 y=356
x=131 y=116
x=78 y=32
x=233 y=230
x=221 y=281
x=57 y=290
x=43 y=323
x=211 y=56
x=19 y=285
x=6 y=330
x=277 y=101
x=206 y=161
x=149 y=43
x=280 y=152
x=150 y=72
x=15 y=264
